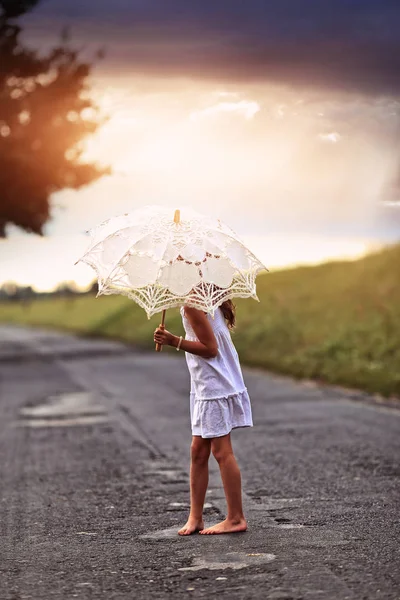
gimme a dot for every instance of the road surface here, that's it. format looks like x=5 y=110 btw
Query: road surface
x=94 y=441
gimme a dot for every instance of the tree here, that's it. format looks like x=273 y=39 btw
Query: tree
x=45 y=114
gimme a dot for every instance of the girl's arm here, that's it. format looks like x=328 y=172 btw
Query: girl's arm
x=206 y=347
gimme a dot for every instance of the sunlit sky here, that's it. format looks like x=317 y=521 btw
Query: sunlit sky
x=302 y=162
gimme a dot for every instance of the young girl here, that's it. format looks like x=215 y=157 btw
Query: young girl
x=219 y=402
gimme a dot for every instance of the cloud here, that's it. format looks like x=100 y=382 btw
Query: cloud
x=331 y=138
x=317 y=69
x=244 y=108
x=341 y=45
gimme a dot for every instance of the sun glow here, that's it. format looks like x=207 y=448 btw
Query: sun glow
x=161 y=153
x=257 y=158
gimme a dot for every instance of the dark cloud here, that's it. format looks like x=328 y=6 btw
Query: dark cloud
x=343 y=44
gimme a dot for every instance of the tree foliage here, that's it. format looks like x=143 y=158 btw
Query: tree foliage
x=45 y=114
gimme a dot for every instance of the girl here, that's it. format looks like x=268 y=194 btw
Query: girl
x=219 y=402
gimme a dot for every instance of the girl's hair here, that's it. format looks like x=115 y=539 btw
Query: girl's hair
x=229 y=312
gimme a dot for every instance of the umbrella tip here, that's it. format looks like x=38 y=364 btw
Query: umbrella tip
x=177 y=216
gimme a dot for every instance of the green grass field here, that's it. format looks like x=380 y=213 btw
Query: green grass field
x=338 y=322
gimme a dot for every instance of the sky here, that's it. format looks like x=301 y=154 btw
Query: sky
x=280 y=117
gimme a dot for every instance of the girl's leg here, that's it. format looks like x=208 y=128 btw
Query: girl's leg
x=200 y=453
x=222 y=450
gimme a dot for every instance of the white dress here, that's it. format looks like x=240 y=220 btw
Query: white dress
x=219 y=401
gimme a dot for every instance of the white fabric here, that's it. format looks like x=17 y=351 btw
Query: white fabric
x=219 y=401
x=160 y=263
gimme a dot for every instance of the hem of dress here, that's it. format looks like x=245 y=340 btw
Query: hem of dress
x=218 y=435
x=225 y=396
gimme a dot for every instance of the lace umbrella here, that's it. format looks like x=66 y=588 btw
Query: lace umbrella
x=162 y=259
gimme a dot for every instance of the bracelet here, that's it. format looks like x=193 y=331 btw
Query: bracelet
x=179 y=344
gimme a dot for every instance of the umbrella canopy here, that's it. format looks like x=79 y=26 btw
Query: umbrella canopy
x=163 y=258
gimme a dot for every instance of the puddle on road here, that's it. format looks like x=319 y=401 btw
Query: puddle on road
x=168 y=474
x=162 y=534
x=179 y=506
x=214 y=562
x=264 y=502
x=230 y=560
x=290 y=525
x=64 y=410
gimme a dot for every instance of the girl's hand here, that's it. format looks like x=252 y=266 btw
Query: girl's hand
x=162 y=336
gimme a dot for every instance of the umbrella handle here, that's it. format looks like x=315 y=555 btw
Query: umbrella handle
x=159 y=346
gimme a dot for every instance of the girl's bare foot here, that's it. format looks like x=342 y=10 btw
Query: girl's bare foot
x=192 y=526
x=227 y=526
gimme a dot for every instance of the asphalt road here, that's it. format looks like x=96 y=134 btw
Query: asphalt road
x=94 y=442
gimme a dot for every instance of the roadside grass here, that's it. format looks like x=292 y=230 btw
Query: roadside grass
x=338 y=322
